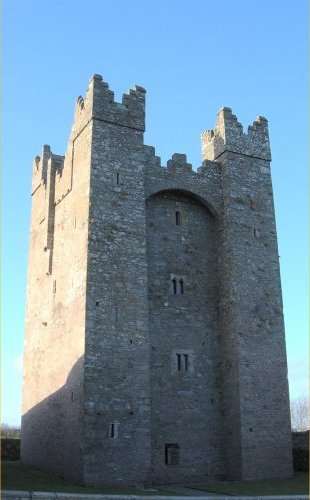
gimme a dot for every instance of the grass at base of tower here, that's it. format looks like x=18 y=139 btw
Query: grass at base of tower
x=299 y=484
x=17 y=476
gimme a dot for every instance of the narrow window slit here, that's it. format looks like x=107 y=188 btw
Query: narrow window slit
x=185 y=362
x=117 y=178
x=174 y=284
x=178 y=218
x=179 y=362
x=181 y=287
x=113 y=430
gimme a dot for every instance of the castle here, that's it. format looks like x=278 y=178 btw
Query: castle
x=155 y=348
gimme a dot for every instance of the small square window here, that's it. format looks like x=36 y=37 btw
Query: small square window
x=177 y=285
x=182 y=361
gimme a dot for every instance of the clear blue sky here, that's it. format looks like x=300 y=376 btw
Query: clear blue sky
x=192 y=57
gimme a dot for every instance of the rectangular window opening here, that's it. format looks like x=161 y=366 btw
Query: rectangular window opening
x=117 y=178
x=182 y=363
x=178 y=218
x=177 y=285
x=172 y=454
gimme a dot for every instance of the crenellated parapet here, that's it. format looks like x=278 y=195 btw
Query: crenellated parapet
x=43 y=166
x=151 y=159
x=228 y=135
x=178 y=175
x=99 y=103
x=39 y=168
x=178 y=165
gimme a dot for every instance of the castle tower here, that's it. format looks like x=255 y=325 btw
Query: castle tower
x=154 y=318
x=255 y=387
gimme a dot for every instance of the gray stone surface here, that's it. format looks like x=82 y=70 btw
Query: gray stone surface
x=147 y=338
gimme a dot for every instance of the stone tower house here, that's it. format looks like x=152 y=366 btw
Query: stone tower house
x=155 y=347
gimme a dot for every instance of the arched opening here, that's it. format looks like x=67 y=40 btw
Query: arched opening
x=181 y=232
x=188 y=194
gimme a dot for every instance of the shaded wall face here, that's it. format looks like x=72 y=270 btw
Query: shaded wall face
x=255 y=402
x=55 y=321
x=51 y=429
x=182 y=290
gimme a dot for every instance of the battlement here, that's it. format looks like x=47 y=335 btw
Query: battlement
x=99 y=103
x=228 y=135
x=178 y=164
x=39 y=168
x=41 y=165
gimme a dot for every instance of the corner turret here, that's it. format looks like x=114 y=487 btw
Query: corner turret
x=228 y=135
x=99 y=104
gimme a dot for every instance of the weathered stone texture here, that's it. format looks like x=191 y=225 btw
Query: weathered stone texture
x=154 y=332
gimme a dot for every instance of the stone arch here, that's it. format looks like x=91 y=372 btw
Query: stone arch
x=182 y=281
x=190 y=194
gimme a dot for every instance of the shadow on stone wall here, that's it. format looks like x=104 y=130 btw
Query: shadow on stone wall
x=51 y=434
x=51 y=430
x=301 y=451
